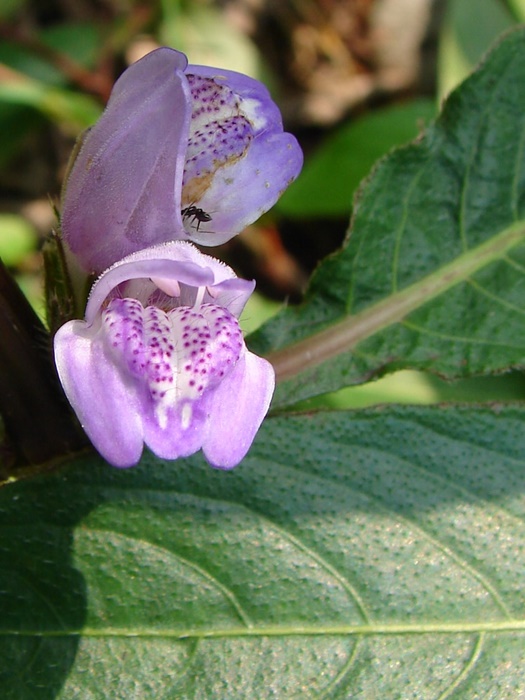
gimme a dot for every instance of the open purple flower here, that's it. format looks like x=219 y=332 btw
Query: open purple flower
x=160 y=359
x=181 y=152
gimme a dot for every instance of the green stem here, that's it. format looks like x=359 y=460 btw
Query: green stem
x=348 y=333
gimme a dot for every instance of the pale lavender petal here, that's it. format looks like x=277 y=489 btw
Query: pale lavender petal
x=124 y=189
x=238 y=160
x=237 y=409
x=193 y=155
x=165 y=366
x=232 y=294
x=107 y=406
x=240 y=194
x=177 y=439
x=170 y=269
x=179 y=261
x=256 y=100
x=179 y=358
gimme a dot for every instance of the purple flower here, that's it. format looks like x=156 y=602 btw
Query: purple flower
x=160 y=359
x=181 y=152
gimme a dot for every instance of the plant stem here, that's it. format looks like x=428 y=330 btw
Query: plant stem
x=39 y=424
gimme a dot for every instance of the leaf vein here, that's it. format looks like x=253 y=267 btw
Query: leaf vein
x=345 y=670
x=224 y=590
x=307 y=549
x=467 y=669
x=460 y=339
x=416 y=527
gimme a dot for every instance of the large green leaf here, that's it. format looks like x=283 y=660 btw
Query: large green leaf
x=433 y=274
x=369 y=555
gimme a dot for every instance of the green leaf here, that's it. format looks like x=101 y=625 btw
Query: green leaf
x=463 y=42
x=17 y=121
x=330 y=178
x=80 y=41
x=432 y=276
x=518 y=8
x=18 y=238
x=71 y=110
x=30 y=64
x=362 y=555
x=42 y=86
x=409 y=387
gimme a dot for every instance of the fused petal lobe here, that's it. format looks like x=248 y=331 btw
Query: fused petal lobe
x=123 y=192
x=238 y=407
x=177 y=265
x=107 y=407
x=143 y=375
x=239 y=161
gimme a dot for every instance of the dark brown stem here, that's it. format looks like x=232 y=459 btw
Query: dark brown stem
x=38 y=423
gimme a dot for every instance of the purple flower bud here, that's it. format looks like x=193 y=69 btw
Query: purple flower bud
x=160 y=359
x=181 y=152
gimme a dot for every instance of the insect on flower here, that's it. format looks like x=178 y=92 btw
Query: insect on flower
x=195 y=214
x=210 y=143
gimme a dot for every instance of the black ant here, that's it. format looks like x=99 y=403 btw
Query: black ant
x=194 y=213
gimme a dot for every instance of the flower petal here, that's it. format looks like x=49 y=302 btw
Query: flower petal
x=238 y=161
x=237 y=409
x=172 y=372
x=123 y=191
x=178 y=261
x=240 y=193
x=107 y=406
x=183 y=433
x=183 y=356
x=256 y=101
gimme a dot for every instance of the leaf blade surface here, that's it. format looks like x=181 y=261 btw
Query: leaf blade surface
x=380 y=551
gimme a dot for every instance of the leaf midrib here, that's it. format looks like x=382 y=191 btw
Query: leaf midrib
x=344 y=335
x=391 y=629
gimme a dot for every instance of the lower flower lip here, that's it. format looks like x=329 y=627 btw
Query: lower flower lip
x=176 y=381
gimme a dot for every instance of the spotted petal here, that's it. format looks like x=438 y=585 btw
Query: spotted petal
x=239 y=160
x=168 y=369
x=180 y=152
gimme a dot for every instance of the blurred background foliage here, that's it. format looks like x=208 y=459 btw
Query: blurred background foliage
x=353 y=78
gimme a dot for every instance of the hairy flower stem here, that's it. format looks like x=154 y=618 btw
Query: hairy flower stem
x=38 y=423
x=348 y=333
